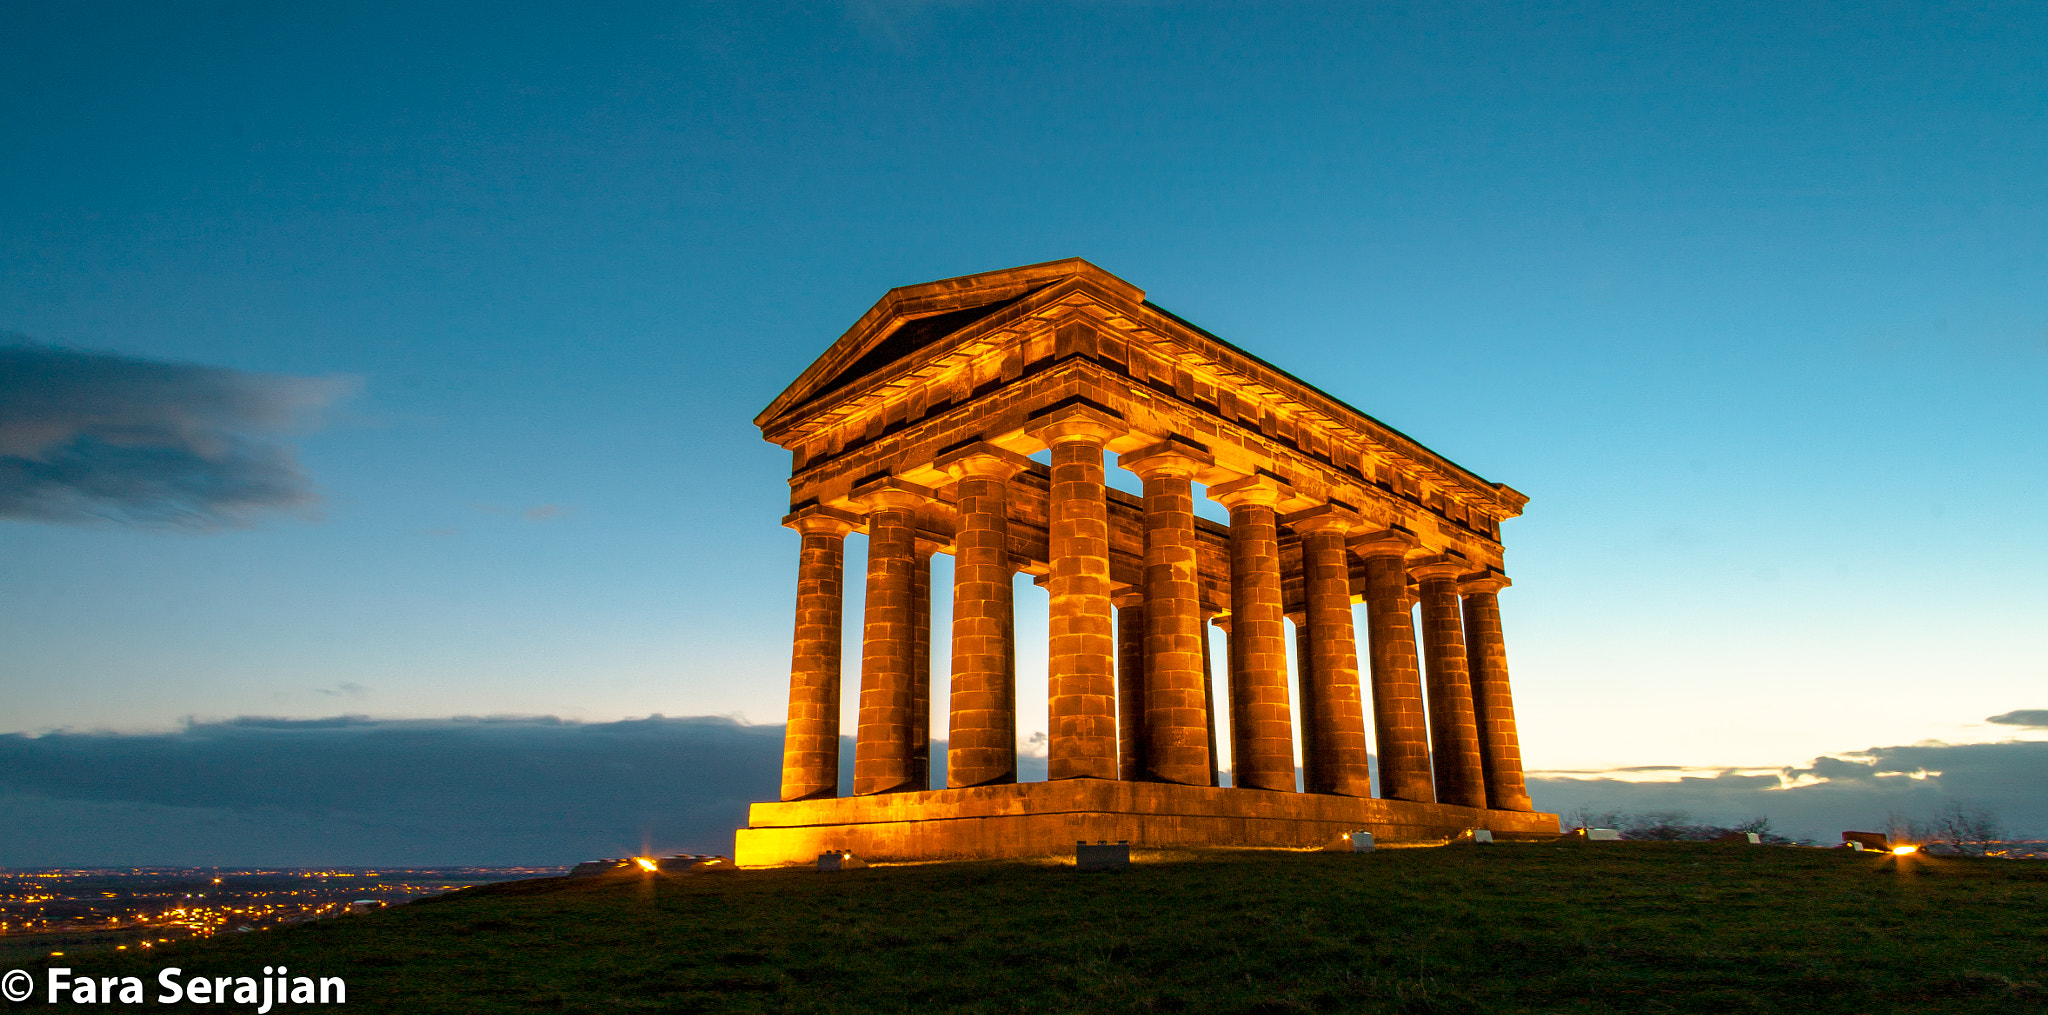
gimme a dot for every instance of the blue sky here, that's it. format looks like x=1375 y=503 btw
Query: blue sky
x=1753 y=303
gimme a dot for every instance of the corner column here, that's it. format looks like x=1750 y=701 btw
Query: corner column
x=1398 y=719
x=982 y=741
x=1453 y=728
x=1081 y=668
x=881 y=750
x=1341 y=764
x=1261 y=726
x=810 y=743
x=1176 y=723
x=1500 y=747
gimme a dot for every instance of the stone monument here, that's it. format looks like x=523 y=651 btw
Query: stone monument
x=918 y=427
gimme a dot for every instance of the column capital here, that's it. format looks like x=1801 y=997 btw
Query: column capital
x=890 y=493
x=1439 y=566
x=1487 y=581
x=1076 y=422
x=981 y=459
x=814 y=519
x=1170 y=457
x=1257 y=489
x=1324 y=518
x=1384 y=543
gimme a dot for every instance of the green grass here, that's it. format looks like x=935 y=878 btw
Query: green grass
x=1596 y=927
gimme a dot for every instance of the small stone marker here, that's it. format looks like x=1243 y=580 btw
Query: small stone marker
x=1361 y=842
x=1102 y=856
x=1480 y=834
x=839 y=860
x=1856 y=846
x=1600 y=834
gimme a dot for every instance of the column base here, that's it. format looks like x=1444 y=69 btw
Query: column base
x=1046 y=818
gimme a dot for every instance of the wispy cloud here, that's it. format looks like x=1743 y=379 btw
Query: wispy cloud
x=94 y=436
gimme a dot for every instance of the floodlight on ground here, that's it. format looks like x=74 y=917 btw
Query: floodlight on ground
x=839 y=860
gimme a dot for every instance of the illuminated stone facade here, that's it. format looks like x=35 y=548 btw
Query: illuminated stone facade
x=919 y=427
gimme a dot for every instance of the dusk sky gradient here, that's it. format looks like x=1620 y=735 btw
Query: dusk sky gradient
x=1751 y=301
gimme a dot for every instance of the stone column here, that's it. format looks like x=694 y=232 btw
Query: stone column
x=810 y=743
x=1130 y=688
x=1341 y=766
x=1453 y=729
x=1500 y=749
x=921 y=668
x=1305 y=697
x=982 y=741
x=1209 y=702
x=1081 y=669
x=1261 y=728
x=881 y=749
x=1176 y=744
x=1398 y=718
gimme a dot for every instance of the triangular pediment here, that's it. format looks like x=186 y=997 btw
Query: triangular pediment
x=912 y=319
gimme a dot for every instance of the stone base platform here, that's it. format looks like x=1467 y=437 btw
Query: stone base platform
x=1045 y=818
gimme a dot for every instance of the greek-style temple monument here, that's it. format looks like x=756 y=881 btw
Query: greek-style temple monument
x=917 y=427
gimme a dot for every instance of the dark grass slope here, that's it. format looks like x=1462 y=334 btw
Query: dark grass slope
x=1602 y=927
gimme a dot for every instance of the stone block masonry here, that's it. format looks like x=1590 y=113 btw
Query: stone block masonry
x=917 y=427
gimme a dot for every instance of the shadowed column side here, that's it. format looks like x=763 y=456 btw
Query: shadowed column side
x=1130 y=688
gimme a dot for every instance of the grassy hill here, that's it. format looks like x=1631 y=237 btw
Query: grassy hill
x=1552 y=927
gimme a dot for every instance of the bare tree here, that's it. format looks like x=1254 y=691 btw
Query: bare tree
x=1963 y=828
x=1583 y=816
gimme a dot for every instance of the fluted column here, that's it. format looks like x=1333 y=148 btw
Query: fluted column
x=1081 y=667
x=1130 y=688
x=810 y=743
x=1398 y=718
x=1453 y=728
x=1176 y=739
x=1500 y=748
x=1342 y=765
x=1261 y=728
x=982 y=740
x=881 y=750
